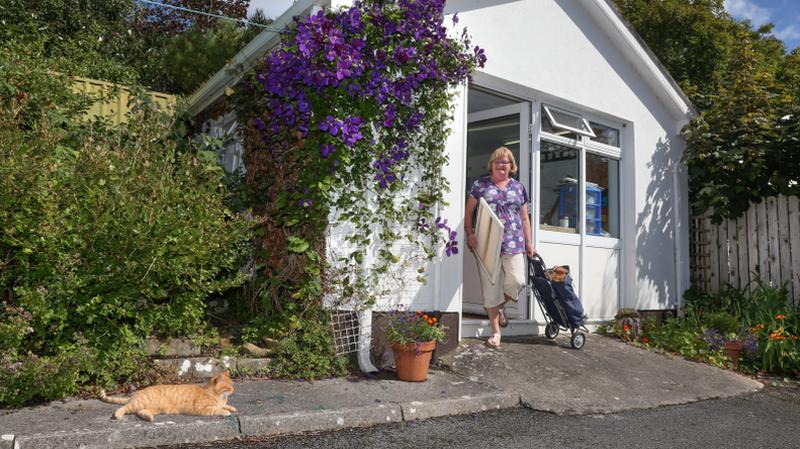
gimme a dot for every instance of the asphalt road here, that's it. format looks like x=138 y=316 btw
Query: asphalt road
x=767 y=419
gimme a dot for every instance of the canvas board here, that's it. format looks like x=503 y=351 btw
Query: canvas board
x=489 y=233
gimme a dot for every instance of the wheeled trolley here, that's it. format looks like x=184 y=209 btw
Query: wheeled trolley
x=558 y=302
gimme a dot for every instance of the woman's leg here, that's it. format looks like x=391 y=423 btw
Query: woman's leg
x=514 y=279
x=494 y=320
x=492 y=301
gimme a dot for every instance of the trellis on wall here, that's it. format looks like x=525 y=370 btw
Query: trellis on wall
x=764 y=243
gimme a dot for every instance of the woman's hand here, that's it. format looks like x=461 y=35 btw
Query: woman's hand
x=530 y=249
x=472 y=241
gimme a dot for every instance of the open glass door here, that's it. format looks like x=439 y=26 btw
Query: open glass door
x=488 y=129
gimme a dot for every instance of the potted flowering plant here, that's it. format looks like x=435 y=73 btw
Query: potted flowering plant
x=413 y=337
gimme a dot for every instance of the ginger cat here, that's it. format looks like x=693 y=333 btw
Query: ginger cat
x=209 y=399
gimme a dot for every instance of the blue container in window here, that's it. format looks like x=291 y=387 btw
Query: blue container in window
x=567 y=200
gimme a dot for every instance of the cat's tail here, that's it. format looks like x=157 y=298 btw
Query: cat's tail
x=112 y=400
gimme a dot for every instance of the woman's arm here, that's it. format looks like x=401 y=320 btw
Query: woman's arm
x=472 y=241
x=526 y=229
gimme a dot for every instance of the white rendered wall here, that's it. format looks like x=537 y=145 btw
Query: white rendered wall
x=566 y=50
x=559 y=48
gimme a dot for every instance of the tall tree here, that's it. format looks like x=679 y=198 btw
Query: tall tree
x=741 y=148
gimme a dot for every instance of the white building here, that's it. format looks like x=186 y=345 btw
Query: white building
x=594 y=122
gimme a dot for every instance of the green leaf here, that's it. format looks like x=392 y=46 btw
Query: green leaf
x=297 y=244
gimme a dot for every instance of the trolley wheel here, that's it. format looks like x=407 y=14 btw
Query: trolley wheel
x=551 y=330
x=578 y=340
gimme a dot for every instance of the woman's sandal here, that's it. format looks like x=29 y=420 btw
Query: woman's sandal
x=493 y=342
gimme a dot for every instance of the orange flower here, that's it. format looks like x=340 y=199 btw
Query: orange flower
x=430 y=322
x=425 y=317
x=780 y=316
x=777 y=335
x=794 y=337
x=435 y=319
x=645 y=340
x=626 y=328
x=419 y=313
x=760 y=326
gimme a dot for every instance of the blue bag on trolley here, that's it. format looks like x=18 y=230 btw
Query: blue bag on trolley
x=569 y=300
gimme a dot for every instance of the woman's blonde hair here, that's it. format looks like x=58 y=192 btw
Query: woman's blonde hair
x=500 y=153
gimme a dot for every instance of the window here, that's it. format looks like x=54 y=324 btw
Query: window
x=605 y=134
x=602 y=195
x=560 y=120
x=558 y=187
x=561 y=204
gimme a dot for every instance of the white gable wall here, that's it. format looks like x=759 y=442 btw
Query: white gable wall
x=558 y=48
x=572 y=55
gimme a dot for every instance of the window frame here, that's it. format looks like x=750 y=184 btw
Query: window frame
x=584 y=145
x=588 y=132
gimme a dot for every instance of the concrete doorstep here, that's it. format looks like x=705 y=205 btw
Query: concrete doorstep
x=265 y=408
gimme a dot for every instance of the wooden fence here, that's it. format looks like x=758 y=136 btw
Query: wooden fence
x=115 y=105
x=764 y=243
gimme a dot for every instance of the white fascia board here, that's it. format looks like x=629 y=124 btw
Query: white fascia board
x=255 y=49
x=645 y=60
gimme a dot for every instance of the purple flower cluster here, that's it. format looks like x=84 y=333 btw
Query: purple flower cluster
x=365 y=70
x=384 y=164
x=451 y=247
x=714 y=339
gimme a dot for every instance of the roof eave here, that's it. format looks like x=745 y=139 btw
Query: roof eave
x=227 y=76
x=676 y=98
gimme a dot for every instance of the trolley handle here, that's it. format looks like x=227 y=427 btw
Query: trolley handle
x=537 y=258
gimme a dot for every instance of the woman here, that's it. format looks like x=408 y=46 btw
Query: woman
x=509 y=201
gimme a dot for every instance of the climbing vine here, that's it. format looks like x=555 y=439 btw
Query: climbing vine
x=345 y=137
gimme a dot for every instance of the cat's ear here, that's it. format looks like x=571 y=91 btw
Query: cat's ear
x=225 y=374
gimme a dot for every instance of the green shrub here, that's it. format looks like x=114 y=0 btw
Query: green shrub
x=722 y=322
x=308 y=351
x=109 y=234
x=30 y=378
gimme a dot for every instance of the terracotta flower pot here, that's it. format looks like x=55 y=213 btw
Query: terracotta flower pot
x=412 y=360
x=734 y=350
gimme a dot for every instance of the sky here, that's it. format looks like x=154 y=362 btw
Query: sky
x=785 y=14
x=272 y=8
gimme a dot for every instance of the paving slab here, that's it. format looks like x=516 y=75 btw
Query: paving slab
x=606 y=376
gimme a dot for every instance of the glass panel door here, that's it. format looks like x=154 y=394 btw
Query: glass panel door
x=488 y=130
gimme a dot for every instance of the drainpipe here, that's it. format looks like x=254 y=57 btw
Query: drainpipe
x=676 y=248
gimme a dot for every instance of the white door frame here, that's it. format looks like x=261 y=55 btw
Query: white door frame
x=523 y=109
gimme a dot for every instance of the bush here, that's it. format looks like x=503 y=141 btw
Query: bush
x=308 y=352
x=30 y=378
x=109 y=234
x=762 y=317
x=722 y=322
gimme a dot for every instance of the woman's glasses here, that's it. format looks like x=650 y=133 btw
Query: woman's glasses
x=501 y=162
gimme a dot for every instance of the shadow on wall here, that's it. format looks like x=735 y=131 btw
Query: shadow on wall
x=655 y=232
x=454 y=6
x=655 y=270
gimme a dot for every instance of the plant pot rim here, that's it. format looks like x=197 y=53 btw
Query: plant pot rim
x=420 y=344
x=734 y=344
